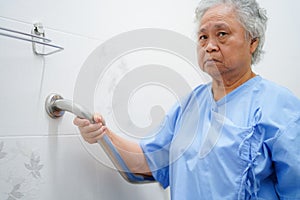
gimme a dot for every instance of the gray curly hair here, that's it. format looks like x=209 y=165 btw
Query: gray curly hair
x=250 y=15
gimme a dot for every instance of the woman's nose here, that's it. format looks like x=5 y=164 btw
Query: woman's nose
x=211 y=46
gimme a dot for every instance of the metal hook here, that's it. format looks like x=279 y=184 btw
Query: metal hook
x=39 y=33
x=37 y=37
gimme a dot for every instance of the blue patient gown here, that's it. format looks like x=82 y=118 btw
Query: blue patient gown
x=243 y=146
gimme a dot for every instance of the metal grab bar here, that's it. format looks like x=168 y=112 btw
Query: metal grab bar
x=56 y=106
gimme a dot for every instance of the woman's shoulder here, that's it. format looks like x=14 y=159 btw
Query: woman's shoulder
x=277 y=103
x=276 y=93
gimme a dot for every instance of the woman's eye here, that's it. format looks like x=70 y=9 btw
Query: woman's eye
x=202 y=37
x=222 y=34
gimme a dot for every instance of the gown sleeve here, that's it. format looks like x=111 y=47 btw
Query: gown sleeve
x=156 y=149
x=286 y=159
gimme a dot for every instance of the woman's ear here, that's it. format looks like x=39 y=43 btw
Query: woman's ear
x=253 y=45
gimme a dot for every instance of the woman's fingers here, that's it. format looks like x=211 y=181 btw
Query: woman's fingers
x=98 y=118
x=90 y=127
x=80 y=122
x=93 y=137
x=91 y=132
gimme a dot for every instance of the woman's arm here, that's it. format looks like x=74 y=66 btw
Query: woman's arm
x=130 y=151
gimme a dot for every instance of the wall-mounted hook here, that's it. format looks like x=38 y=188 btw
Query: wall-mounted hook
x=38 y=30
x=37 y=37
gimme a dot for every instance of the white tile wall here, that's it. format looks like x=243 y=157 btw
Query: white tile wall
x=42 y=158
x=280 y=61
x=48 y=168
x=102 y=19
x=27 y=79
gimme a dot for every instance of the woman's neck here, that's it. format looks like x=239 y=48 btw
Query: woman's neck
x=225 y=86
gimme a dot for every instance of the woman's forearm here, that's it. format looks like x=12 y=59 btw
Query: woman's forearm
x=131 y=153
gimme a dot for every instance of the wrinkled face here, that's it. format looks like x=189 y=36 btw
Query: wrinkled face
x=223 y=48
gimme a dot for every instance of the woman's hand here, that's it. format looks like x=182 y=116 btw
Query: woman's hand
x=91 y=132
x=130 y=151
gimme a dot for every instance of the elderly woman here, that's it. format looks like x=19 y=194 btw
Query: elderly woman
x=237 y=137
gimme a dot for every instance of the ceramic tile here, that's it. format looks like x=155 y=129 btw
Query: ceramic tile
x=48 y=168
